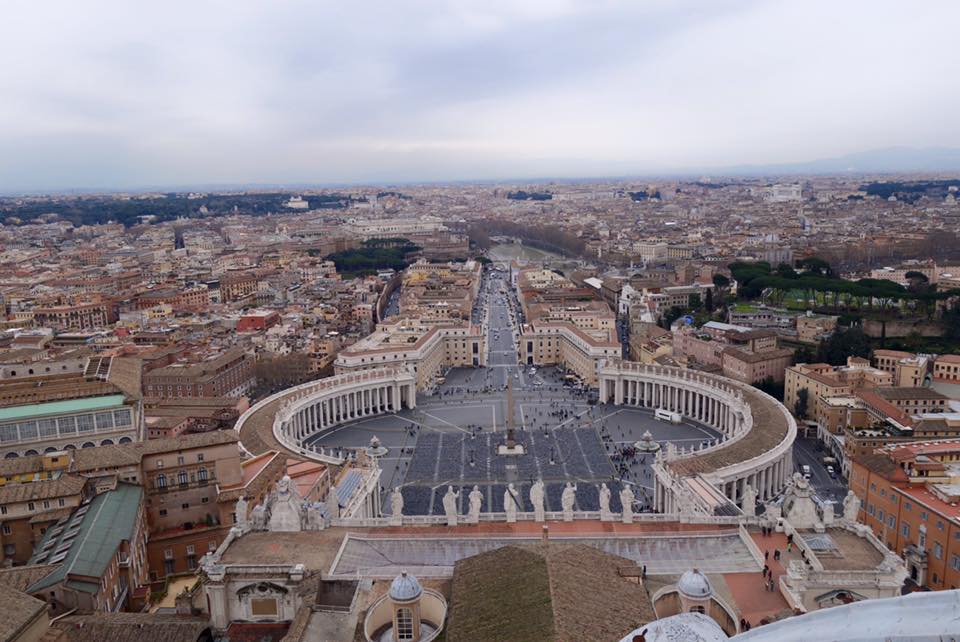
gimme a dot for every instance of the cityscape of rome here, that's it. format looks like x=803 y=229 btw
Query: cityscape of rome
x=485 y=378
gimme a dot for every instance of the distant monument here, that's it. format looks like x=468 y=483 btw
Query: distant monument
x=749 y=501
x=285 y=507
x=396 y=507
x=851 y=507
x=511 y=448
x=567 y=500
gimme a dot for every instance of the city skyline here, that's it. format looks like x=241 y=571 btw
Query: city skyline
x=107 y=97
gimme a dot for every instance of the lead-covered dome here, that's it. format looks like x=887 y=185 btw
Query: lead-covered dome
x=695 y=584
x=404 y=588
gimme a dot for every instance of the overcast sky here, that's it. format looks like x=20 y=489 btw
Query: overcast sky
x=130 y=94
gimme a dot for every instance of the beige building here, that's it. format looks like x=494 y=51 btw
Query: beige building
x=427 y=349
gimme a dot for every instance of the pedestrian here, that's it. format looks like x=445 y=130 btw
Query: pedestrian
x=776 y=554
x=789 y=546
x=766 y=555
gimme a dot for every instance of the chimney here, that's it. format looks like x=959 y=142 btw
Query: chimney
x=545 y=535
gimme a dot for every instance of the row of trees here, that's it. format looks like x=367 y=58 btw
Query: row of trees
x=375 y=255
x=817 y=281
x=99 y=210
x=545 y=237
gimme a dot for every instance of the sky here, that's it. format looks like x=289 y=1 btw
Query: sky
x=113 y=95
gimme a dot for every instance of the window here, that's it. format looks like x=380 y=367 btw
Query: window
x=168 y=553
x=184 y=506
x=199 y=456
x=923 y=515
x=161 y=481
x=955 y=562
x=163 y=512
x=204 y=500
x=938 y=550
x=891 y=521
x=6 y=529
x=3 y=510
x=939 y=525
x=907 y=505
x=61 y=502
x=905 y=529
x=880 y=516
x=202 y=475
x=180 y=460
x=404 y=624
x=182 y=478
x=159 y=463
x=31 y=506
x=212 y=545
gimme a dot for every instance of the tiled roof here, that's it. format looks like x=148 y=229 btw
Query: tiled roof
x=19 y=612
x=132 y=627
x=545 y=593
x=64 y=486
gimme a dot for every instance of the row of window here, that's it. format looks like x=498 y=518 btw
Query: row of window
x=183 y=479
x=62 y=426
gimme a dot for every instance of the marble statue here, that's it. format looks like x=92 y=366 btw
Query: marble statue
x=567 y=500
x=510 y=503
x=851 y=507
x=258 y=518
x=536 y=498
x=749 y=500
x=314 y=519
x=396 y=507
x=605 y=514
x=332 y=503
x=450 y=506
x=476 y=500
x=626 y=499
x=396 y=502
x=285 y=507
x=240 y=510
x=828 y=515
x=799 y=507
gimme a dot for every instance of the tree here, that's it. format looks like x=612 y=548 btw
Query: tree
x=721 y=282
x=695 y=302
x=670 y=316
x=708 y=303
x=800 y=408
x=843 y=344
x=803 y=354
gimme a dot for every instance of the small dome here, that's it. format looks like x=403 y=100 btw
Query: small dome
x=405 y=588
x=695 y=584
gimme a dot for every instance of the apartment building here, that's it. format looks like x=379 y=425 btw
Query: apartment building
x=909 y=499
x=822 y=381
x=79 y=316
x=96 y=555
x=579 y=350
x=229 y=374
x=31 y=504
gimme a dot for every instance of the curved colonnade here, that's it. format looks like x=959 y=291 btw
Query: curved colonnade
x=758 y=432
x=295 y=414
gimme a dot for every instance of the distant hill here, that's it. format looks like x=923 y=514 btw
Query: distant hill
x=877 y=161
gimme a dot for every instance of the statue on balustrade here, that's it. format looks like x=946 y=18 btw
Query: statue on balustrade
x=510 y=503
x=851 y=507
x=749 y=500
x=537 y=498
x=626 y=500
x=396 y=507
x=567 y=501
x=450 y=506
x=476 y=500
x=605 y=514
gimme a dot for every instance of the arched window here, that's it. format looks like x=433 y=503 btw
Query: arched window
x=161 y=481
x=88 y=444
x=697 y=609
x=182 y=478
x=202 y=475
x=404 y=624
